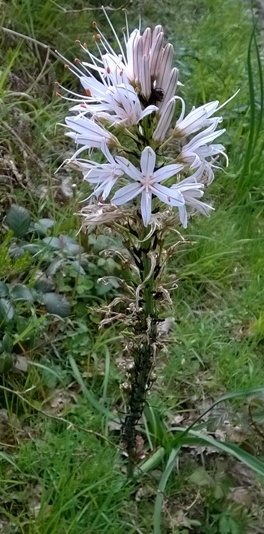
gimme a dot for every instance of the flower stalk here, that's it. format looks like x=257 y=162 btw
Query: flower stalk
x=143 y=352
x=155 y=163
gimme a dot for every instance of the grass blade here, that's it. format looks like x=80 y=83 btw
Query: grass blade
x=161 y=489
x=87 y=394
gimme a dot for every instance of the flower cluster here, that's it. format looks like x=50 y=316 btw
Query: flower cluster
x=126 y=114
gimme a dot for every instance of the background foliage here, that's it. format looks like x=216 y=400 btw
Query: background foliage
x=61 y=469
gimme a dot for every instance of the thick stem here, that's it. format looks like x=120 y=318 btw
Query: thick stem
x=143 y=353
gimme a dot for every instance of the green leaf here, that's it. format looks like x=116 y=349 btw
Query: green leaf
x=32 y=248
x=201 y=478
x=197 y=438
x=73 y=248
x=57 y=304
x=53 y=242
x=88 y=394
x=224 y=525
x=15 y=252
x=162 y=487
x=21 y=292
x=156 y=427
x=43 y=225
x=18 y=220
x=7 y=458
x=7 y=343
x=4 y=290
x=54 y=266
x=44 y=284
x=77 y=267
x=7 y=310
x=6 y=362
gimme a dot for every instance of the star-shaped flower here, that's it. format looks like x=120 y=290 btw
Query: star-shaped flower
x=147 y=183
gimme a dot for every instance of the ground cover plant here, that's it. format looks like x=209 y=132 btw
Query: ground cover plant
x=61 y=465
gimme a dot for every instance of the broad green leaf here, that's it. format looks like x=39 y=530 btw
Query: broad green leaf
x=21 y=292
x=6 y=362
x=18 y=220
x=16 y=251
x=43 y=225
x=57 y=304
x=32 y=248
x=53 y=242
x=77 y=267
x=7 y=343
x=44 y=284
x=200 y=477
x=7 y=310
x=47 y=223
x=54 y=266
x=73 y=248
x=4 y=289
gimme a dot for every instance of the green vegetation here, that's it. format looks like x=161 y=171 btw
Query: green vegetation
x=61 y=468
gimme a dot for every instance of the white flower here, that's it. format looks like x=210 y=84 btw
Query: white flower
x=143 y=61
x=86 y=132
x=102 y=175
x=116 y=104
x=195 y=153
x=191 y=192
x=198 y=118
x=147 y=183
x=164 y=121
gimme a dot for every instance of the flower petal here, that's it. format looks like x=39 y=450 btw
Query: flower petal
x=126 y=193
x=167 y=195
x=146 y=198
x=167 y=172
x=128 y=168
x=147 y=161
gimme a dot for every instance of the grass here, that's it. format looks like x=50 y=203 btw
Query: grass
x=61 y=467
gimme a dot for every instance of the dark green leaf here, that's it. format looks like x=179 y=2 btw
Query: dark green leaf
x=57 y=304
x=6 y=362
x=77 y=267
x=7 y=311
x=44 y=284
x=7 y=343
x=4 y=290
x=15 y=251
x=18 y=220
x=53 y=242
x=54 y=266
x=43 y=225
x=32 y=248
x=21 y=292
